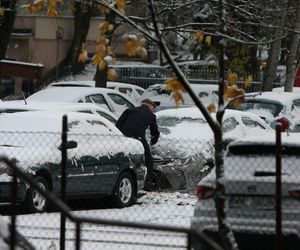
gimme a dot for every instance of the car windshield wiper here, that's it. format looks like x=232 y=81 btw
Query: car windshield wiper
x=12 y=146
x=266 y=173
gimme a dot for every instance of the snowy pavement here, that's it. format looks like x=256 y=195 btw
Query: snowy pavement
x=172 y=209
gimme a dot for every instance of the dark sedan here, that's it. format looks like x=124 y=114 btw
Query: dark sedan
x=101 y=161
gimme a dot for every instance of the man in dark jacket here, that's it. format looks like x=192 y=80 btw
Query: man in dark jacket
x=133 y=123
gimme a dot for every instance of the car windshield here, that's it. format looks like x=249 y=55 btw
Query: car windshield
x=269 y=107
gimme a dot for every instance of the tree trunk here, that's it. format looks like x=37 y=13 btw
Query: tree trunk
x=274 y=52
x=101 y=74
x=82 y=17
x=291 y=58
x=225 y=231
x=6 y=25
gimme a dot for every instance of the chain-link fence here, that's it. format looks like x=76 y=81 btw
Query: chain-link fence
x=103 y=186
x=101 y=178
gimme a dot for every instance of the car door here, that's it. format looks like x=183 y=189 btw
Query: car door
x=91 y=169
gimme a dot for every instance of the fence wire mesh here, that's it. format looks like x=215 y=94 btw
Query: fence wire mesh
x=253 y=208
x=105 y=179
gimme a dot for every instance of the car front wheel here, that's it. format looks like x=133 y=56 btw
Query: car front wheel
x=35 y=201
x=125 y=190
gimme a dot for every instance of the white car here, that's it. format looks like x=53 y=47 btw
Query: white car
x=89 y=108
x=250 y=176
x=207 y=93
x=184 y=151
x=274 y=107
x=110 y=99
x=133 y=91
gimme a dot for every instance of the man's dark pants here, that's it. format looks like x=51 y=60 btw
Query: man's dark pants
x=148 y=160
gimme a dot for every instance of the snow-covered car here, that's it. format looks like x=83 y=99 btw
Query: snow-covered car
x=250 y=184
x=274 y=107
x=184 y=153
x=89 y=108
x=132 y=91
x=281 y=89
x=208 y=93
x=101 y=161
x=110 y=99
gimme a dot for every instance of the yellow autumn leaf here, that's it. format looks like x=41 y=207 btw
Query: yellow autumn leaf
x=102 y=64
x=177 y=96
x=142 y=53
x=2 y=10
x=110 y=27
x=109 y=49
x=30 y=7
x=208 y=40
x=230 y=91
x=212 y=108
x=142 y=42
x=121 y=5
x=240 y=92
x=199 y=36
x=96 y=60
x=83 y=56
x=232 y=78
x=103 y=27
x=41 y=4
x=112 y=75
x=51 y=12
x=237 y=102
x=248 y=81
x=102 y=40
x=174 y=84
x=131 y=47
x=263 y=65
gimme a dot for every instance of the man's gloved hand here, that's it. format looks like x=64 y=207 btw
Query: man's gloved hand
x=153 y=140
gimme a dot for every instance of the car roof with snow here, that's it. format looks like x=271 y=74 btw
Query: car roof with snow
x=91 y=84
x=51 y=121
x=283 y=97
x=20 y=105
x=69 y=94
x=194 y=112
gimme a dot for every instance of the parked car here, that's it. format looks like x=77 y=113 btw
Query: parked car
x=89 y=108
x=274 y=107
x=250 y=170
x=132 y=91
x=110 y=99
x=101 y=161
x=185 y=152
x=208 y=93
x=281 y=89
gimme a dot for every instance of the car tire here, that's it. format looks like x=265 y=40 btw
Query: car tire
x=36 y=202
x=125 y=190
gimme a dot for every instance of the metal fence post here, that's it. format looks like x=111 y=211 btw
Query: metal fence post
x=63 y=179
x=278 y=189
x=77 y=238
x=13 y=211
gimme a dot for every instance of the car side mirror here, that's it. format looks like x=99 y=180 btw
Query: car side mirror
x=70 y=145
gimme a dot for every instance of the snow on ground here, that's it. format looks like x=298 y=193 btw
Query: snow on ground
x=172 y=209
